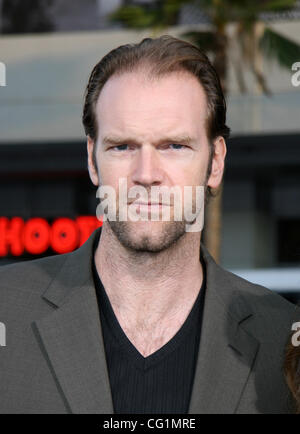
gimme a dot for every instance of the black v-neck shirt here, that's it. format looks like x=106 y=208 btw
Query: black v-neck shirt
x=160 y=383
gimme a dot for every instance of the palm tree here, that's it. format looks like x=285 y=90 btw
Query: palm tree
x=235 y=27
x=156 y=15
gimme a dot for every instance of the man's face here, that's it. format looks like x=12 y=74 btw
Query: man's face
x=143 y=128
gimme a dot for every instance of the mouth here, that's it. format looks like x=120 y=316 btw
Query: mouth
x=144 y=209
x=147 y=203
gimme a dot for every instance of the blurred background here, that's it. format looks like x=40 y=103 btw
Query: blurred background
x=47 y=50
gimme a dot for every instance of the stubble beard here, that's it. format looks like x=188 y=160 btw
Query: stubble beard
x=153 y=242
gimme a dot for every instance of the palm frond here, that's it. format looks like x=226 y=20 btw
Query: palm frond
x=135 y=17
x=277 y=47
x=276 y=5
x=159 y=14
x=205 y=40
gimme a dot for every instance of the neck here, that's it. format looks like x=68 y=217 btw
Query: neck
x=150 y=288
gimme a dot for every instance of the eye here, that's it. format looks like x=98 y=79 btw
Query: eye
x=177 y=146
x=120 y=147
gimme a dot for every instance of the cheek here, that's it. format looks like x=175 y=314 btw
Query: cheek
x=196 y=171
x=111 y=175
x=195 y=174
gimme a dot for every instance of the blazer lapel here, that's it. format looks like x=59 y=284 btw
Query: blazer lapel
x=227 y=352
x=71 y=336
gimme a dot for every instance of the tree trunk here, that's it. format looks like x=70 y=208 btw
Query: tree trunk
x=213 y=225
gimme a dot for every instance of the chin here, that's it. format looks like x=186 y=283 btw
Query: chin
x=152 y=237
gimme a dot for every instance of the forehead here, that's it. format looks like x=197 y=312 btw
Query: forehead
x=132 y=104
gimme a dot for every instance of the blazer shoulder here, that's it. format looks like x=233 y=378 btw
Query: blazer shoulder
x=265 y=302
x=32 y=275
x=229 y=285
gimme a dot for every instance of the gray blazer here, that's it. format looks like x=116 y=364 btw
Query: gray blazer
x=54 y=358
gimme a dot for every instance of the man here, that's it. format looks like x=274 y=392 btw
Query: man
x=137 y=320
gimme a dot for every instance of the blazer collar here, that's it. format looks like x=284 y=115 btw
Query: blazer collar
x=71 y=338
x=75 y=273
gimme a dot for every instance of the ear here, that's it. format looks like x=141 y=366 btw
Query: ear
x=217 y=168
x=91 y=167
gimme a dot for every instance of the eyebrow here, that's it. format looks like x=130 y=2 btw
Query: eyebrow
x=114 y=140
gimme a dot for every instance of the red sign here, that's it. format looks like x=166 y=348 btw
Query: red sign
x=37 y=235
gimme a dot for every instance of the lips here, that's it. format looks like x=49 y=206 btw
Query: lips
x=147 y=203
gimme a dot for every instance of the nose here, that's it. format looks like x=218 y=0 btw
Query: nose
x=147 y=170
